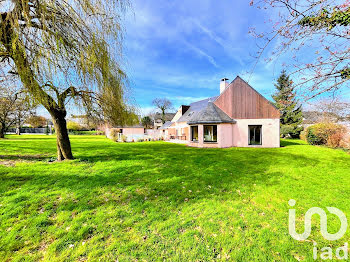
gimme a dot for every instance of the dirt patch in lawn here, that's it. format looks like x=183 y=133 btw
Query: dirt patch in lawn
x=11 y=160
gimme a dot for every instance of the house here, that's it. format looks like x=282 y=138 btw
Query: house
x=130 y=133
x=157 y=119
x=163 y=131
x=238 y=117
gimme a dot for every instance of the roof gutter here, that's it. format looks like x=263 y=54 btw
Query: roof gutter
x=211 y=122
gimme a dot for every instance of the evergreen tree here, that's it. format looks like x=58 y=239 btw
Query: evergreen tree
x=288 y=105
x=146 y=122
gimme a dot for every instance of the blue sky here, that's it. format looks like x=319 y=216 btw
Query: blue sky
x=181 y=49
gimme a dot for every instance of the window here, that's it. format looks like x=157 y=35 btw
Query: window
x=210 y=134
x=255 y=135
x=194 y=133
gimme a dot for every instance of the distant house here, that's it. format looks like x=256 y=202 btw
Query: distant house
x=163 y=131
x=238 y=117
x=157 y=119
x=129 y=133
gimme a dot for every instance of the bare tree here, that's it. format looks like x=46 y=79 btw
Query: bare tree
x=334 y=109
x=37 y=121
x=14 y=108
x=23 y=109
x=318 y=28
x=162 y=104
x=63 y=52
x=7 y=104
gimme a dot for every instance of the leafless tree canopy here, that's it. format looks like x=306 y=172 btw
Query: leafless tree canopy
x=163 y=105
x=14 y=105
x=315 y=36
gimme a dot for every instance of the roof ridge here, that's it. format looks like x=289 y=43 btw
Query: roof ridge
x=203 y=100
x=220 y=110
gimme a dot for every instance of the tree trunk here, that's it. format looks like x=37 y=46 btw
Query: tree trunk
x=18 y=131
x=64 y=150
x=163 y=116
x=2 y=132
x=17 y=51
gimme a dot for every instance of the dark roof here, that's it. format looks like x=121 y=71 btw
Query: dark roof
x=166 y=125
x=195 y=108
x=211 y=114
x=132 y=126
x=167 y=116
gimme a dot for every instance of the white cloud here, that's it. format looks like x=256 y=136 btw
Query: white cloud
x=146 y=110
x=186 y=99
x=225 y=44
x=202 y=53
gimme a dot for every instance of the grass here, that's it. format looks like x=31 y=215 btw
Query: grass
x=156 y=201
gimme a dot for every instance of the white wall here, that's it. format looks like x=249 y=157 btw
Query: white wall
x=270 y=132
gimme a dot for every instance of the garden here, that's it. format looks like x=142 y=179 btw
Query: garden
x=156 y=201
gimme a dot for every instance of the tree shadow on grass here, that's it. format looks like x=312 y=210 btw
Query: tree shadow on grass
x=292 y=142
x=149 y=172
x=136 y=185
x=24 y=157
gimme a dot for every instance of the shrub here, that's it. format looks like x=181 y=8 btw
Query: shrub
x=73 y=126
x=303 y=135
x=285 y=130
x=312 y=138
x=335 y=139
x=329 y=134
x=124 y=138
x=345 y=142
x=292 y=131
x=100 y=133
x=114 y=134
x=83 y=132
x=47 y=131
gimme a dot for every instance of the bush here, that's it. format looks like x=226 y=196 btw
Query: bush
x=312 y=138
x=114 y=134
x=285 y=130
x=335 y=139
x=100 y=133
x=73 y=126
x=82 y=132
x=292 y=131
x=329 y=134
x=124 y=138
x=345 y=142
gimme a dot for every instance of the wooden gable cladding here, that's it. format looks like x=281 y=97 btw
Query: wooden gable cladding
x=241 y=101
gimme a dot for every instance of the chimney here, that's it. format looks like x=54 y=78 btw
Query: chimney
x=223 y=85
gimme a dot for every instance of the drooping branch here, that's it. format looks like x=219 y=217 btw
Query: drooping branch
x=55 y=46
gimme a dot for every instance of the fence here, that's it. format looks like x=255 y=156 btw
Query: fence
x=30 y=130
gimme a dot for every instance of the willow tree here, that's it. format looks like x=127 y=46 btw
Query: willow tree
x=64 y=51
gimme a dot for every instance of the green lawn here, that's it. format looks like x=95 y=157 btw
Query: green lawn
x=156 y=201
